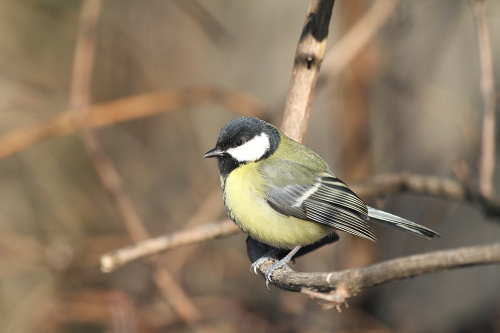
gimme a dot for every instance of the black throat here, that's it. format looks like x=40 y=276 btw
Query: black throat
x=227 y=164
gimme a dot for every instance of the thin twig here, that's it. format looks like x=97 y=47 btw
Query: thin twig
x=208 y=23
x=353 y=42
x=405 y=182
x=487 y=162
x=31 y=310
x=308 y=58
x=80 y=100
x=127 y=109
x=109 y=177
x=433 y=186
x=211 y=208
x=118 y=258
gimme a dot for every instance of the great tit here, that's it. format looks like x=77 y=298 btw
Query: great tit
x=284 y=195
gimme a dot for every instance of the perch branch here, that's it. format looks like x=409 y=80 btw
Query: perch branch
x=339 y=286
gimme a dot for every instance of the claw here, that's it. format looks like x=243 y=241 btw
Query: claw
x=270 y=256
x=267 y=284
x=255 y=266
x=270 y=271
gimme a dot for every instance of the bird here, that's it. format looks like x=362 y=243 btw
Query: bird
x=283 y=194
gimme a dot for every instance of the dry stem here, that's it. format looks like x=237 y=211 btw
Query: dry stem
x=355 y=280
x=347 y=48
x=126 y=109
x=487 y=162
x=108 y=175
x=308 y=58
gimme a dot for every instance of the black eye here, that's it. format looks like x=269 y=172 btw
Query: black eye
x=238 y=142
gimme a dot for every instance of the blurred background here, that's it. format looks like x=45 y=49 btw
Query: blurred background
x=410 y=101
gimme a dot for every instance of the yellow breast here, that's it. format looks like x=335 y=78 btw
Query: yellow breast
x=259 y=220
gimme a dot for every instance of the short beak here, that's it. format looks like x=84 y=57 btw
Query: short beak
x=216 y=152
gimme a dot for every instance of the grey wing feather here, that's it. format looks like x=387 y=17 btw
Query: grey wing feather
x=327 y=201
x=334 y=204
x=282 y=200
x=384 y=218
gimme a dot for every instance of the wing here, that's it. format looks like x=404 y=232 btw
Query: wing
x=324 y=199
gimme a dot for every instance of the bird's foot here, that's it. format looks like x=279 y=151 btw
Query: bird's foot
x=269 y=272
x=271 y=255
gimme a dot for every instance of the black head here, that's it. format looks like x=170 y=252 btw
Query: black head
x=244 y=140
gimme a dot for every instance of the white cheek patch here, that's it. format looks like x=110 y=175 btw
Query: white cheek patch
x=251 y=150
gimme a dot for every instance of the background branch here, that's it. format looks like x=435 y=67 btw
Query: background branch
x=118 y=258
x=308 y=58
x=353 y=42
x=80 y=100
x=127 y=109
x=487 y=162
x=107 y=173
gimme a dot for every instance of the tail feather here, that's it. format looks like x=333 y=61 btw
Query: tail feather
x=394 y=221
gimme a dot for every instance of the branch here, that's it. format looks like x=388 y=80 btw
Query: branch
x=487 y=162
x=433 y=186
x=353 y=42
x=129 y=108
x=80 y=100
x=209 y=25
x=308 y=58
x=118 y=258
x=108 y=175
x=336 y=287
